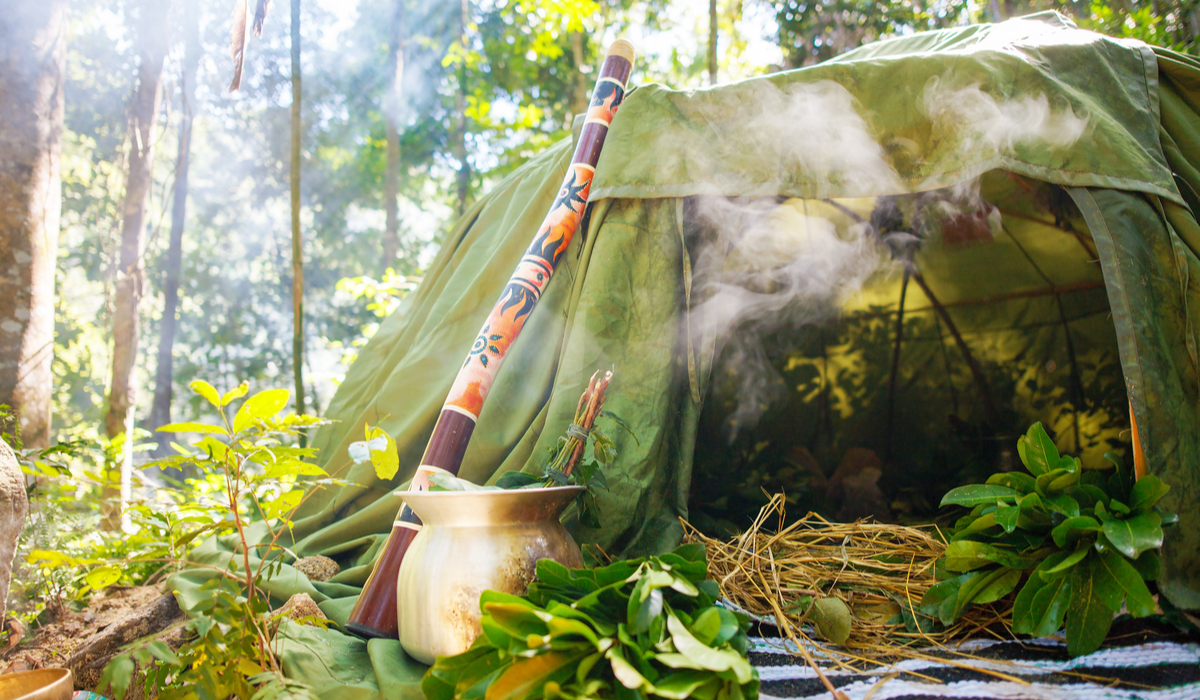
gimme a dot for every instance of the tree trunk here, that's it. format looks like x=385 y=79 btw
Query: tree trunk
x=579 y=97
x=122 y=396
x=160 y=413
x=392 y=113
x=712 y=42
x=32 y=57
x=460 y=140
x=297 y=249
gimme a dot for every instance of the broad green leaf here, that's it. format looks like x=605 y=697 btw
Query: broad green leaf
x=518 y=621
x=1146 y=492
x=261 y=406
x=50 y=559
x=681 y=685
x=1062 y=503
x=1049 y=607
x=203 y=388
x=967 y=555
x=1135 y=535
x=1067 y=562
x=1037 y=450
x=213 y=447
x=528 y=675
x=624 y=672
x=234 y=394
x=988 y=588
x=1120 y=484
x=103 y=577
x=516 y=480
x=118 y=674
x=1023 y=618
x=706 y=625
x=386 y=461
x=730 y=626
x=1133 y=592
x=707 y=657
x=1007 y=517
x=1033 y=515
x=975 y=494
x=1148 y=565
x=1020 y=482
x=293 y=467
x=1072 y=530
x=283 y=506
x=940 y=592
x=1088 y=618
x=191 y=428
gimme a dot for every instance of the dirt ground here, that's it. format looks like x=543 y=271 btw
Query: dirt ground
x=51 y=645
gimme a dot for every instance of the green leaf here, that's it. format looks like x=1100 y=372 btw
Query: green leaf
x=1037 y=450
x=1148 y=565
x=191 y=428
x=1120 y=484
x=516 y=480
x=1049 y=607
x=975 y=494
x=1017 y=481
x=283 y=506
x=1068 y=561
x=234 y=394
x=527 y=675
x=988 y=588
x=292 y=467
x=1088 y=618
x=1022 y=616
x=1033 y=515
x=1124 y=578
x=1062 y=503
x=1135 y=535
x=386 y=461
x=617 y=419
x=967 y=555
x=1007 y=517
x=261 y=406
x=1146 y=492
x=118 y=674
x=203 y=388
x=103 y=577
x=1072 y=530
x=704 y=656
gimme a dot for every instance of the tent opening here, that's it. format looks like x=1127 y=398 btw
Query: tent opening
x=870 y=354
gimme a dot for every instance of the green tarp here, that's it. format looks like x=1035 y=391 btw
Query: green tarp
x=1114 y=123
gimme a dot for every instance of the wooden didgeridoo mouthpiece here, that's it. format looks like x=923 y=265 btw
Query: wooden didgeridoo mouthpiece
x=375 y=614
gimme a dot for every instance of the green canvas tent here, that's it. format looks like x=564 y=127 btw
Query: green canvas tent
x=1055 y=171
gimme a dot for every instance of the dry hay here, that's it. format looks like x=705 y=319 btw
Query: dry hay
x=878 y=570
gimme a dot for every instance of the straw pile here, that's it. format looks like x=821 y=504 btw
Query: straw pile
x=880 y=571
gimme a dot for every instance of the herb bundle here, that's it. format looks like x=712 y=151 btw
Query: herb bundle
x=564 y=466
x=1088 y=539
x=632 y=629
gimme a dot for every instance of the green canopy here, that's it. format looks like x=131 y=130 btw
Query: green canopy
x=1077 y=144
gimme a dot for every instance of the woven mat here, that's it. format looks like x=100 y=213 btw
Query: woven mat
x=1141 y=660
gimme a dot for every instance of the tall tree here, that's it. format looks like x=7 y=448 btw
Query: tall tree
x=392 y=111
x=153 y=28
x=460 y=105
x=32 y=57
x=297 y=249
x=160 y=412
x=712 y=42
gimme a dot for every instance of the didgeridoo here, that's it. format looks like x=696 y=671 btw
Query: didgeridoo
x=375 y=614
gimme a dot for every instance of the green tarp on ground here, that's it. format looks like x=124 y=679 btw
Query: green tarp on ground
x=1114 y=123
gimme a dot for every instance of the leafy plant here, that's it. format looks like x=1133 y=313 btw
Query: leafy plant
x=249 y=458
x=1088 y=539
x=632 y=629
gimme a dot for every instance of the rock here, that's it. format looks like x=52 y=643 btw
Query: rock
x=299 y=606
x=90 y=658
x=317 y=568
x=14 y=506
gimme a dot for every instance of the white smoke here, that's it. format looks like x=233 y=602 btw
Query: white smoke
x=976 y=117
x=789 y=267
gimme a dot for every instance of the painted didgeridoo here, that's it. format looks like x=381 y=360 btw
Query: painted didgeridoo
x=375 y=614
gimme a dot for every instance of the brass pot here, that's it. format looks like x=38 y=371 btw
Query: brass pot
x=43 y=684
x=474 y=541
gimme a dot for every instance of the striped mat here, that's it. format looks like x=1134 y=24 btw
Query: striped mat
x=1140 y=660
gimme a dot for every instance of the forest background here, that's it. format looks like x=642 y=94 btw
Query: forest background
x=410 y=109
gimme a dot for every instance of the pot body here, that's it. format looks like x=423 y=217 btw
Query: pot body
x=473 y=541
